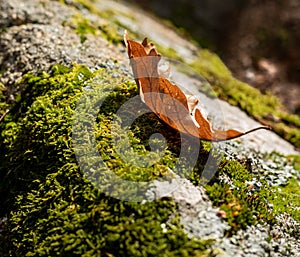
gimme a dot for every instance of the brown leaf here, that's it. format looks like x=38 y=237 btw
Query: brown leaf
x=166 y=99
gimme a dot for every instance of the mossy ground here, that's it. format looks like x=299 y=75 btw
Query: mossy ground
x=57 y=210
x=287 y=199
x=242 y=205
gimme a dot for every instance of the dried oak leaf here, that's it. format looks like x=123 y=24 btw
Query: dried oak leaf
x=166 y=100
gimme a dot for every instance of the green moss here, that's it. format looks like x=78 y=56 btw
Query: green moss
x=168 y=52
x=111 y=33
x=108 y=14
x=33 y=132
x=243 y=207
x=83 y=26
x=107 y=26
x=91 y=6
x=57 y=211
x=54 y=210
x=287 y=199
x=66 y=216
x=295 y=160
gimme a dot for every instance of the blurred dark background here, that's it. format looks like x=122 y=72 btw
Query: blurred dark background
x=259 y=40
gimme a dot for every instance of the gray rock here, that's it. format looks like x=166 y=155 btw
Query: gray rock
x=198 y=216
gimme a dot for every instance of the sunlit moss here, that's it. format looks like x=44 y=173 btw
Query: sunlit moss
x=54 y=209
x=243 y=207
x=83 y=26
x=287 y=199
x=107 y=26
x=65 y=212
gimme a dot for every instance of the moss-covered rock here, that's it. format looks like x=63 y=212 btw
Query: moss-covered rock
x=56 y=210
x=52 y=206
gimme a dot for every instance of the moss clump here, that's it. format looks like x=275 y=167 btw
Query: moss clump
x=33 y=134
x=242 y=205
x=106 y=26
x=66 y=216
x=248 y=199
x=53 y=208
x=83 y=26
x=295 y=160
x=287 y=199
